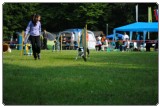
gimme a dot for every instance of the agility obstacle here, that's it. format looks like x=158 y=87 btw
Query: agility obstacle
x=26 y=49
x=84 y=41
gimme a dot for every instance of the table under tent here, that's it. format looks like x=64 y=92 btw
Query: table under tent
x=137 y=27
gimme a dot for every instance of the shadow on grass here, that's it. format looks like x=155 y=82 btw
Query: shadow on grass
x=57 y=79
x=79 y=84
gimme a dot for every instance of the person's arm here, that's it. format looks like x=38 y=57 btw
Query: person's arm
x=27 y=31
x=28 y=28
x=39 y=27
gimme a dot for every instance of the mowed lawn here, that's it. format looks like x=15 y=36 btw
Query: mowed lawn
x=107 y=78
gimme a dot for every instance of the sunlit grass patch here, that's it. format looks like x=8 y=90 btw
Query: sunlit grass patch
x=107 y=78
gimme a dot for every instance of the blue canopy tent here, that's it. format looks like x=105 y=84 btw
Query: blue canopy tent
x=118 y=36
x=138 y=27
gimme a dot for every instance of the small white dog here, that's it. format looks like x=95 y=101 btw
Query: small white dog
x=81 y=53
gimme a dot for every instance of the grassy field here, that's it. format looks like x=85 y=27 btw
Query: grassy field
x=107 y=78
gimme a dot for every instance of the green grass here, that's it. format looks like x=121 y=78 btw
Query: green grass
x=107 y=78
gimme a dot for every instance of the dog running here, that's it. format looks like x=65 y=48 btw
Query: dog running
x=81 y=53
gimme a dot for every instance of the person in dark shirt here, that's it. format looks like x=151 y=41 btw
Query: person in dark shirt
x=45 y=39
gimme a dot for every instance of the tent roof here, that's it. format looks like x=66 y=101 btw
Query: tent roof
x=118 y=35
x=97 y=33
x=140 y=27
x=74 y=30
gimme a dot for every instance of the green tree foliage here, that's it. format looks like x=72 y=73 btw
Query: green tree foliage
x=16 y=17
x=56 y=17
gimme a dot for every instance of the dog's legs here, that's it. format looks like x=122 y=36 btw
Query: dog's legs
x=84 y=58
x=77 y=56
x=88 y=52
x=82 y=55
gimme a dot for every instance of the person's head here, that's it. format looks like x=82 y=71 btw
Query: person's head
x=97 y=38
x=125 y=33
x=36 y=18
x=39 y=17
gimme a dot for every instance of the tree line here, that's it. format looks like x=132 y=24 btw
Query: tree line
x=56 y=17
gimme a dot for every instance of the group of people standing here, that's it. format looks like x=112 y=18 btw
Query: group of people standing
x=44 y=40
x=123 y=44
x=126 y=42
x=102 y=43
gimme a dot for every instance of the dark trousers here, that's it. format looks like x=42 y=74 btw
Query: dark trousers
x=148 y=46
x=98 y=47
x=120 y=47
x=36 y=45
x=88 y=51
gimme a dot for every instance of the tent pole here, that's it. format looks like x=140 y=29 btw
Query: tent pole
x=106 y=29
x=148 y=35
x=113 y=35
x=137 y=13
x=22 y=42
x=149 y=18
x=84 y=45
x=131 y=33
x=61 y=42
x=144 y=36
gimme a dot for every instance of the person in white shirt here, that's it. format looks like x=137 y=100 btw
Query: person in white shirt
x=125 y=36
x=99 y=37
x=98 y=44
x=126 y=45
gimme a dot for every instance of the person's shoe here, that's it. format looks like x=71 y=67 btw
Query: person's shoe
x=35 y=56
x=38 y=56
